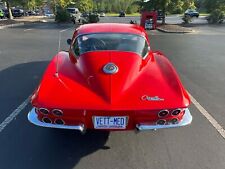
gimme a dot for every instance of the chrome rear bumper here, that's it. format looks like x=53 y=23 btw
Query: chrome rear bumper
x=187 y=119
x=33 y=118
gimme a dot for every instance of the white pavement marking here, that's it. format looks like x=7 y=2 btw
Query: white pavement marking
x=64 y=30
x=214 y=123
x=14 y=114
x=27 y=30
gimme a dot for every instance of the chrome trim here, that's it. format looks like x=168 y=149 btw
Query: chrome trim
x=33 y=118
x=187 y=119
x=176 y=110
x=110 y=68
x=162 y=111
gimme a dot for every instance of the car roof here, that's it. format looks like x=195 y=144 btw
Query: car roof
x=112 y=28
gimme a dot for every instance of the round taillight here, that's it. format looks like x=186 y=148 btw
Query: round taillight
x=59 y=121
x=57 y=112
x=161 y=122
x=163 y=113
x=46 y=120
x=43 y=111
x=176 y=112
x=174 y=121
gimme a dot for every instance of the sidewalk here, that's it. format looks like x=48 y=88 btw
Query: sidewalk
x=170 y=28
x=6 y=23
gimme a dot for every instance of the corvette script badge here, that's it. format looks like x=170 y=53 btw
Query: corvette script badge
x=149 y=98
x=110 y=68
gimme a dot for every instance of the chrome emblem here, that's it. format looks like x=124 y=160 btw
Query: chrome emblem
x=110 y=68
x=149 y=98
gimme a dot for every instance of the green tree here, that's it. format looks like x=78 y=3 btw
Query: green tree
x=84 y=5
x=215 y=4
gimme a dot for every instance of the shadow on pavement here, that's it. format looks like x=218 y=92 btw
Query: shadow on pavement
x=17 y=83
x=26 y=146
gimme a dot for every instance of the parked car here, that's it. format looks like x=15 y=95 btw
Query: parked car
x=1 y=14
x=74 y=14
x=191 y=13
x=31 y=13
x=159 y=14
x=110 y=79
x=122 y=14
x=102 y=14
x=6 y=13
x=17 y=12
x=84 y=18
x=49 y=14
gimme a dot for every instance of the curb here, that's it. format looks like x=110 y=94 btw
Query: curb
x=175 y=31
x=12 y=25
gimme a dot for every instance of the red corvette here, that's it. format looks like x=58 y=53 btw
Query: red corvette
x=110 y=80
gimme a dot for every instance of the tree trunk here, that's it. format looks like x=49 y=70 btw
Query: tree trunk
x=164 y=15
x=9 y=10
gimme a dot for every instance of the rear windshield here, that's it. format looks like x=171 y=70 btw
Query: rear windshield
x=111 y=41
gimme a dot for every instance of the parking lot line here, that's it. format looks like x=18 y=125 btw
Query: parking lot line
x=13 y=115
x=64 y=30
x=27 y=30
x=208 y=116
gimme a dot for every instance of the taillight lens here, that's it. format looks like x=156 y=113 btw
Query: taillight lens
x=43 y=111
x=57 y=112
x=176 y=112
x=163 y=113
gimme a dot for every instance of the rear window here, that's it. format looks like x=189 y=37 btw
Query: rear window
x=112 y=41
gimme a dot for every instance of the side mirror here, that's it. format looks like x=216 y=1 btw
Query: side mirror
x=149 y=48
x=69 y=41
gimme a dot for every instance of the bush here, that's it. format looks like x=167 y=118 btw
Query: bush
x=93 y=18
x=216 y=16
x=62 y=15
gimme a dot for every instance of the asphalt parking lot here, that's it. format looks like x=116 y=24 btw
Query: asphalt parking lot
x=199 y=59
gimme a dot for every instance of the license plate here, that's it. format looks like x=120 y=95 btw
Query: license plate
x=109 y=122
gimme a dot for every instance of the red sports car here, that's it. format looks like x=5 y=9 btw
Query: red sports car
x=110 y=80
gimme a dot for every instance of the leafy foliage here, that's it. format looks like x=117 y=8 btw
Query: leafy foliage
x=115 y=6
x=216 y=9
x=216 y=16
x=62 y=15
